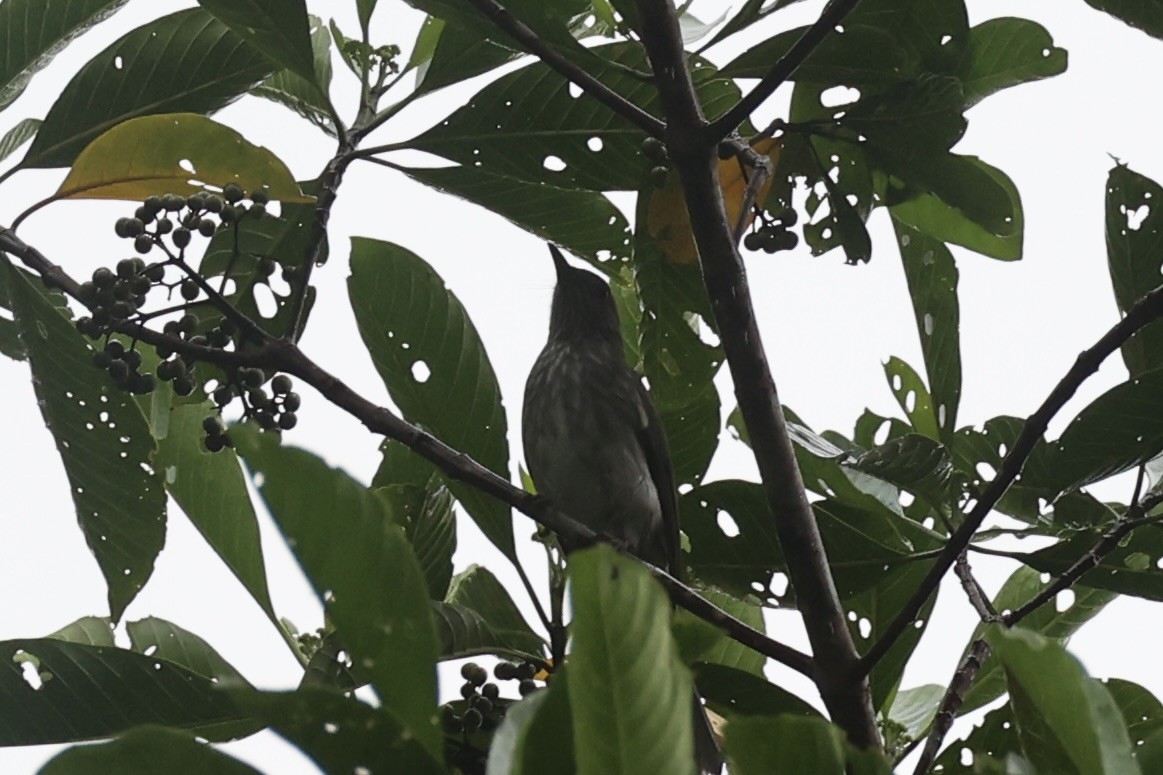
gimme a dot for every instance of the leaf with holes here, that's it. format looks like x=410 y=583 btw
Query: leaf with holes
x=88 y=630
x=58 y=692
x=1022 y=586
x=532 y=125
x=146 y=750
x=1067 y=721
x=34 y=32
x=913 y=396
x=355 y=554
x=178 y=153
x=583 y=222
x=211 y=490
x=278 y=28
x=187 y=62
x=932 y=279
x=103 y=440
x=1143 y=714
x=978 y=456
x=624 y=656
x=1118 y=430
x=339 y=733
x=455 y=52
x=925 y=212
x=435 y=367
x=860 y=55
x=307 y=97
x=158 y=638
x=1007 y=52
x=992 y=741
x=1134 y=236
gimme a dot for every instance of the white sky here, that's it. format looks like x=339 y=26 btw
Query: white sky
x=828 y=329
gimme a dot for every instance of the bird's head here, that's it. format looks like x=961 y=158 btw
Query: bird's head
x=583 y=306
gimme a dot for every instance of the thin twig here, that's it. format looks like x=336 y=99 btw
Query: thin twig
x=977 y=597
x=833 y=13
x=954 y=697
x=1144 y=311
x=533 y=43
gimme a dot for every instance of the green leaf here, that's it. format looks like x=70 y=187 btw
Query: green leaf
x=914 y=709
x=341 y=734
x=211 y=491
x=88 y=630
x=932 y=279
x=700 y=641
x=915 y=463
x=1007 y=52
x=463 y=632
x=365 y=8
x=994 y=740
x=1019 y=588
x=458 y=52
x=35 y=33
x=624 y=657
x=678 y=358
x=537 y=734
x=167 y=154
x=17 y=136
x=357 y=558
x=732 y=693
x=1118 y=430
x=57 y=692
x=522 y=124
x=978 y=455
x=157 y=637
x=848 y=223
x=926 y=213
x=187 y=62
x=1143 y=714
x=784 y=745
x=103 y=440
x=861 y=55
x=308 y=98
x=1130 y=569
x=582 y=222
x=1140 y=14
x=278 y=28
x=434 y=365
x=478 y=590
x=417 y=492
x=1067 y=721
x=146 y=750
x=1134 y=235
x=239 y=250
x=913 y=396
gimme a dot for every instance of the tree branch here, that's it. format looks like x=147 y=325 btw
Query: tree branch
x=977 y=597
x=954 y=696
x=694 y=156
x=833 y=13
x=532 y=42
x=1145 y=310
x=285 y=356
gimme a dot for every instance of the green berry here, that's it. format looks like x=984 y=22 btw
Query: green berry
x=260 y=197
x=291 y=402
x=654 y=149
x=281 y=385
x=164 y=226
x=184 y=386
x=119 y=370
x=232 y=192
x=206 y=227
x=213 y=203
x=214 y=443
x=181 y=238
x=173 y=202
x=143 y=243
x=153 y=205
x=190 y=290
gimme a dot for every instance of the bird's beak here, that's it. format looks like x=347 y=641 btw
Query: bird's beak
x=558 y=259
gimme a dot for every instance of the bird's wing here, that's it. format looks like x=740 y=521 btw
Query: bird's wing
x=652 y=437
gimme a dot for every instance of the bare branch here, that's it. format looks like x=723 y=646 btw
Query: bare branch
x=977 y=597
x=844 y=691
x=1145 y=310
x=833 y=13
x=954 y=696
x=533 y=43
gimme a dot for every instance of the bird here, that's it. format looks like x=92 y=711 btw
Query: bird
x=594 y=442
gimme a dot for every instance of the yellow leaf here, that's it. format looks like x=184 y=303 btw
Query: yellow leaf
x=666 y=215
x=175 y=153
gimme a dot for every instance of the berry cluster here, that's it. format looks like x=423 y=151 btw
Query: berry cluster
x=115 y=297
x=655 y=150
x=773 y=232
x=483 y=706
